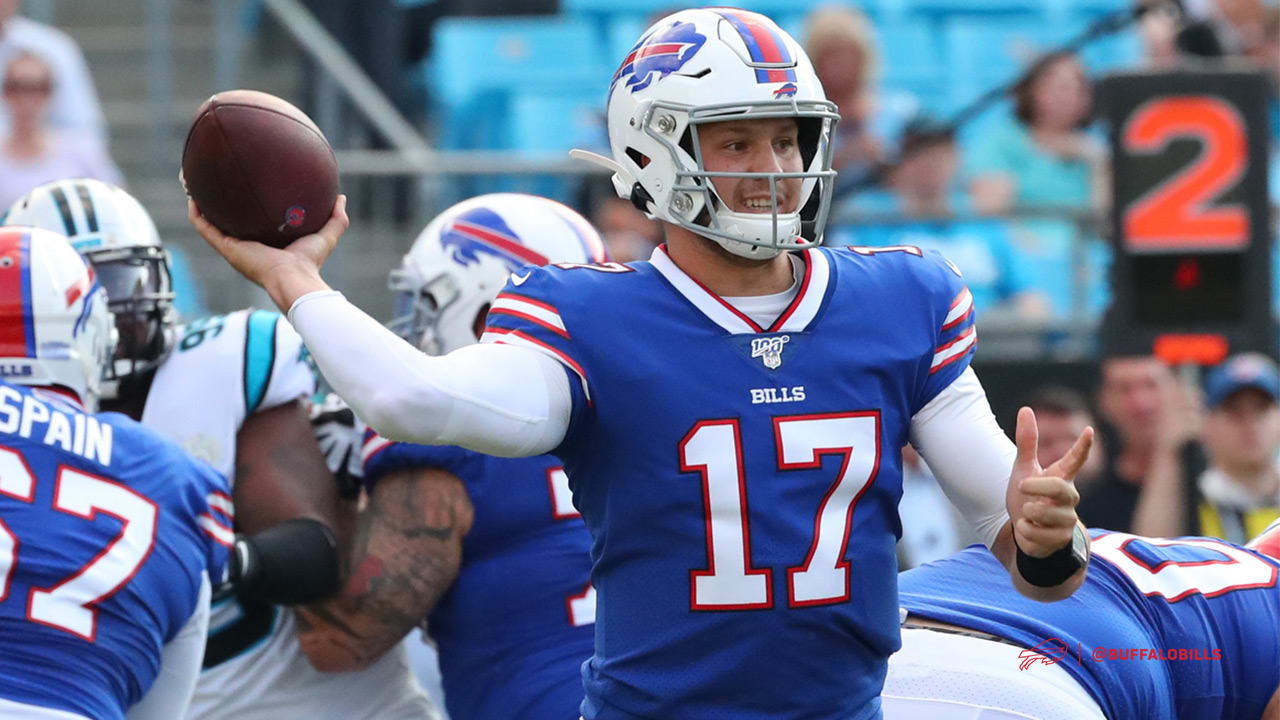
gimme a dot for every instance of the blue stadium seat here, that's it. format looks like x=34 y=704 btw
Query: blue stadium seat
x=984 y=51
x=1029 y=8
x=560 y=121
x=908 y=51
x=472 y=55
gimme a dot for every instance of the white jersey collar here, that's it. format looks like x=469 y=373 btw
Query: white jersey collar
x=802 y=310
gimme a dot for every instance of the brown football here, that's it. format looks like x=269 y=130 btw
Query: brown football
x=258 y=168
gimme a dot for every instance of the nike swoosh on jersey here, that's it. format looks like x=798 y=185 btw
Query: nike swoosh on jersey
x=518 y=280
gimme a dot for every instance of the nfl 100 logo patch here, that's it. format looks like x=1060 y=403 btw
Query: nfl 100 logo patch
x=769 y=350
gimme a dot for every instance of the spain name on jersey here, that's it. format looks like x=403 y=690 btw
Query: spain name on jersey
x=106 y=532
x=1162 y=629
x=740 y=483
x=516 y=626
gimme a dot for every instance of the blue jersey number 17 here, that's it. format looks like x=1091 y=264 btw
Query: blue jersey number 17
x=713 y=448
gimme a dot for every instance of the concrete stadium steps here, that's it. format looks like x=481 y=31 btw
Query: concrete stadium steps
x=146 y=143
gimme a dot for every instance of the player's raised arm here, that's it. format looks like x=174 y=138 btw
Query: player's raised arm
x=496 y=399
x=1002 y=491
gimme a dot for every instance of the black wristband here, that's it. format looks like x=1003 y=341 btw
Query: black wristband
x=294 y=562
x=1053 y=570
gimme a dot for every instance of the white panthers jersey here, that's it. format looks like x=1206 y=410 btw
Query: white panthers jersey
x=222 y=370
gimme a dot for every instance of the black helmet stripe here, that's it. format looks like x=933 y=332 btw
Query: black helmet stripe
x=86 y=204
x=64 y=207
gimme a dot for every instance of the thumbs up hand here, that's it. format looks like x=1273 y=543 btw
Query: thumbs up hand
x=1042 y=501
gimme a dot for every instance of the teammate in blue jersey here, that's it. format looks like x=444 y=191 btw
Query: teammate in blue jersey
x=109 y=534
x=729 y=413
x=1177 y=629
x=229 y=389
x=490 y=550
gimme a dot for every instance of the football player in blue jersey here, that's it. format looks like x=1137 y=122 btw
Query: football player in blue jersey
x=729 y=413
x=1162 y=629
x=230 y=389
x=490 y=550
x=109 y=534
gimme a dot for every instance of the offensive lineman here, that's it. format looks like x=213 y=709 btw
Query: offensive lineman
x=109 y=533
x=490 y=550
x=720 y=409
x=230 y=389
x=1179 y=629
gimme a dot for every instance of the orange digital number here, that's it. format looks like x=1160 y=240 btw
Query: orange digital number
x=1178 y=212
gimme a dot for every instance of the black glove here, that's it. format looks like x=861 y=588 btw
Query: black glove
x=291 y=563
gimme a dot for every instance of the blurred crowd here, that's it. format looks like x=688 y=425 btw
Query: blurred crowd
x=1176 y=454
x=1013 y=197
x=50 y=121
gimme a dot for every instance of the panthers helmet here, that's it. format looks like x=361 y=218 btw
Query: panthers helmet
x=115 y=233
x=462 y=259
x=55 y=328
x=706 y=66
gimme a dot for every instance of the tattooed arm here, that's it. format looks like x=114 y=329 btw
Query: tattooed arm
x=407 y=552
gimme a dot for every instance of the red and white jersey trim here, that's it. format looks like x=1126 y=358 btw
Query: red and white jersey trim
x=222 y=503
x=795 y=318
x=534 y=311
x=219 y=521
x=221 y=534
x=954 y=350
x=519 y=339
x=372 y=446
x=961 y=309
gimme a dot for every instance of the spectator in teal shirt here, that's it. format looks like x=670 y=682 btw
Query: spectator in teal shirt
x=921 y=181
x=1043 y=156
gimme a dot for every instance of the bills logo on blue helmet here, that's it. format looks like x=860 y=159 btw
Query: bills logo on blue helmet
x=483 y=231
x=662 y=52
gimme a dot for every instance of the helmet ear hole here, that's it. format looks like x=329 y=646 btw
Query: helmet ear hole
x=637 y=157
x=482 y=315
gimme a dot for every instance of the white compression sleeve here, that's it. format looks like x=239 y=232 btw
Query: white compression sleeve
x=495 y=399
x=180 y=664
x=972 y=458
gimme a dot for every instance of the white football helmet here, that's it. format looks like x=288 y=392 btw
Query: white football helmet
x=115 y=233
x=713 y=65
x=55 y=328
x=462 y=259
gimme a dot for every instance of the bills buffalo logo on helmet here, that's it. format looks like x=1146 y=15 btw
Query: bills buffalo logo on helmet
x=482 y=231
x=660 y=53
x=788 y=90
